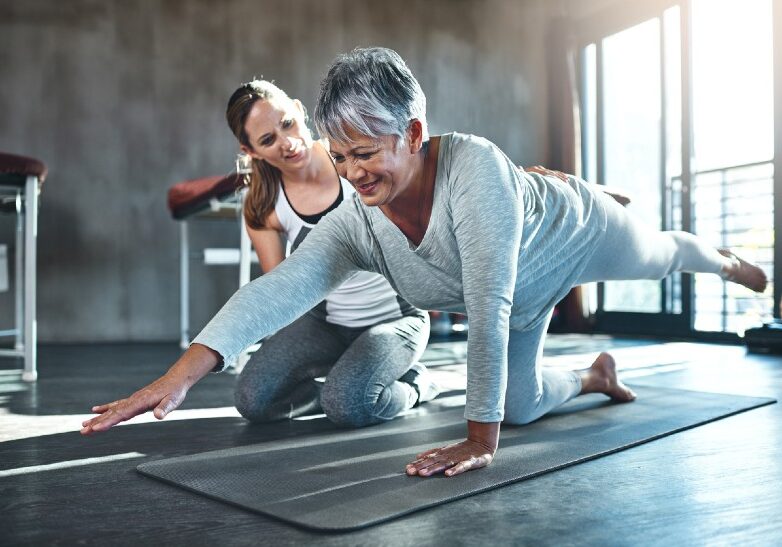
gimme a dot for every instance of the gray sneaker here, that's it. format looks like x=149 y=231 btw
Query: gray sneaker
x=421 y=380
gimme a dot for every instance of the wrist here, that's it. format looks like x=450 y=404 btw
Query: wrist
x=487 y=434
x=194 y=364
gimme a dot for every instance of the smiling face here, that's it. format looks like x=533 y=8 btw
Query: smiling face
x=378 y=168
x=278 y=134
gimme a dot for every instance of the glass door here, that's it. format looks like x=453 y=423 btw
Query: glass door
x=631 y=118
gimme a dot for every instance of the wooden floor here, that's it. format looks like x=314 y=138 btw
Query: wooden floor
x=718 y=484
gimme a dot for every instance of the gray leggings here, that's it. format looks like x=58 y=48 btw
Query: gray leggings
x=629 y=250
x=361 y=366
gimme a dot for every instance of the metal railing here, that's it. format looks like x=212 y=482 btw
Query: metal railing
x=731 y=207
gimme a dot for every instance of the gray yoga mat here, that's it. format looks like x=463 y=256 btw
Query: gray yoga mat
x=347 y=480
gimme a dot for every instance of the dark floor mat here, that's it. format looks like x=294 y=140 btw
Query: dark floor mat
x=352 y=479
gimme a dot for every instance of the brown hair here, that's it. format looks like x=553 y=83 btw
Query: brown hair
x=264 y=179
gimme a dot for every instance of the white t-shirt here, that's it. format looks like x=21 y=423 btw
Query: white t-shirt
x=364 y=299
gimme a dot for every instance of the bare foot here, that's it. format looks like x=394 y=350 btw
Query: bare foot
x=743 y=273
x=601 y=378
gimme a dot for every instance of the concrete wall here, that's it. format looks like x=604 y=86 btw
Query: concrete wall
x=122 y=98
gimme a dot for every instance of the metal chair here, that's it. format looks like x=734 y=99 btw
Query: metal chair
x=20 y=186
x=218 y=197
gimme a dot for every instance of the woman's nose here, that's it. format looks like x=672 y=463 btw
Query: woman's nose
x=355 y=172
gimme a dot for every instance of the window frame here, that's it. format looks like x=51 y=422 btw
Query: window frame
x=616 y=18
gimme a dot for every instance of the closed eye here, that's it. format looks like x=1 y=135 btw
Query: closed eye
x=339 y=158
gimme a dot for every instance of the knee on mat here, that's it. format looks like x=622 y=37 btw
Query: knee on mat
x=336 y=405
x=520 y=412
x=249 y=406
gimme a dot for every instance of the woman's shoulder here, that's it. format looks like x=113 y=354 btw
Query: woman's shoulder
x=273 y=221
x=465 y=142
x=463 y=150
x=468 y=155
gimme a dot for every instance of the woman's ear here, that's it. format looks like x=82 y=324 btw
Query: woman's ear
x=247 y=151
x=415 y=133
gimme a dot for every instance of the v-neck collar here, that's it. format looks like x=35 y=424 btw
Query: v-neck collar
x=431 y=225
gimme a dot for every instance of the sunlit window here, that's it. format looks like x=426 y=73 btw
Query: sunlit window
x=733 y=138
x=632 y=84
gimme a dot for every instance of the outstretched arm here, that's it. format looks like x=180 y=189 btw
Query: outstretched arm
x=161 y=396
x=263 y=306
x=318 y=266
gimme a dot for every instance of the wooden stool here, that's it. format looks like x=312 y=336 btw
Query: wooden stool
x=20 y=185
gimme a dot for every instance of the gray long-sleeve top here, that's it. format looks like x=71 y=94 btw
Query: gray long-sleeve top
x=502 y=246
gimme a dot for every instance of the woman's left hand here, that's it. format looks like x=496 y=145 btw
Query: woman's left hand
x=452 y=459
x=476 y=452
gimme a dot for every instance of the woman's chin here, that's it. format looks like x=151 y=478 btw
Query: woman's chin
x=370 y=200
x=376 y=194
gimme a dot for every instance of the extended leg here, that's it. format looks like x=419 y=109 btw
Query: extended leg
x=632 y=250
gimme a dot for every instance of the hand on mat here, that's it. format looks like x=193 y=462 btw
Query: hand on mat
x=163 y=395
x=476 y=452
x=452 y=459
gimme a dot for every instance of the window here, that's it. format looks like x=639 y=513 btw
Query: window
x=642 y=115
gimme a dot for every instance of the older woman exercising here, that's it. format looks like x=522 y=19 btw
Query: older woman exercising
x=454 y=226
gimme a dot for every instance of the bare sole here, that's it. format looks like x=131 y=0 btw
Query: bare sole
x=744 y=273
x=603 y=377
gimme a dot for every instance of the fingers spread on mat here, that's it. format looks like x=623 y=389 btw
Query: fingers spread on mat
x=450 y=460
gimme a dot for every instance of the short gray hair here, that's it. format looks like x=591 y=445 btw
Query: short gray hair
x=372 y=91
